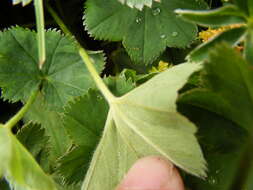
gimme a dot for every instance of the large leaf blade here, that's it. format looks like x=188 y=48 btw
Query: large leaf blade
x=19 y=167
x=144 y=34
x=144 y=123
x=63 y=76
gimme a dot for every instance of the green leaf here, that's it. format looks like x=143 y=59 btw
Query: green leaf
x=144 y=34
x=145 y=122
x=248 y=48
x=223 y=16
x=63 y=76
x=243 y=5
x=24 y=2
x=74 y=164
x=226 y=97
x=33 y=138
x=19 y=167
x=232 y=37
x=139 y=4
x=221 y=140
x=250 y=7
x=119 y=85
x=84 y=120
x=52 y=122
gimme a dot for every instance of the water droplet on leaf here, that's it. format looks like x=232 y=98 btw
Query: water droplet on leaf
x=138 y=20
x=212 y=180
x=174 y=34
x=156 y=11
x=163 y=36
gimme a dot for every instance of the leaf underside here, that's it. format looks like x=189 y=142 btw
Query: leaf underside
x=18 y=165
x=144 y=122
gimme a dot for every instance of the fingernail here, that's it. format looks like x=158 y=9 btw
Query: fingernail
x=152 y=173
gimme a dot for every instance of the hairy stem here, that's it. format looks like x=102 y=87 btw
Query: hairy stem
x=39 y=12
x=57 y=19
x=16 y=118
x=99 y=82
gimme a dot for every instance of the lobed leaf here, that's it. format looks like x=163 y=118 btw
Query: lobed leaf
x=144 y=34
x=33 y=137
x=63 y=76
x=84 y=120
x=145 y=122
x=52 y=122
x=19 y=166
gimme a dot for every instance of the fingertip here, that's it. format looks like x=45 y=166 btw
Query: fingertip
x=152 y=173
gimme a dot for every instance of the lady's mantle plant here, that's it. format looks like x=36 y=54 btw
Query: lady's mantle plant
x=84 y=131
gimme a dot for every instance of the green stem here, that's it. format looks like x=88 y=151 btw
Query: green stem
x=16 y=118
x=39 y=12
x=57 y=19
x=99 y=82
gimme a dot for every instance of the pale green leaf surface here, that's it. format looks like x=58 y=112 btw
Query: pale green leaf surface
x=145 y=34
x=145 y=122
x=223 y=16
x=19 y=166
x=248 y=48
x=84 y=120
x=63 y=75
x=139 y=4
x=24 y=2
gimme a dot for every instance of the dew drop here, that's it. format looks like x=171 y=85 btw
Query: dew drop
x=174 y=34
x=156 y=11
x=163 y=36
x=138 y=20
x=212 y=180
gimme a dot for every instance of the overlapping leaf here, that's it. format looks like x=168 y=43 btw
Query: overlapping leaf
x=235 y=18
x=221 y=140
x=18 y=165
x=226 y=94
x=145 y=122
x=63 y=77
x=145 y=34
x=52 y=123
x=226 y=97
x=84 y=121
x=33 y=138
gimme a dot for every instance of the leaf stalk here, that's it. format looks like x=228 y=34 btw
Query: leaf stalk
x=97 y=79
x=16 y=118
x=40 y=25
